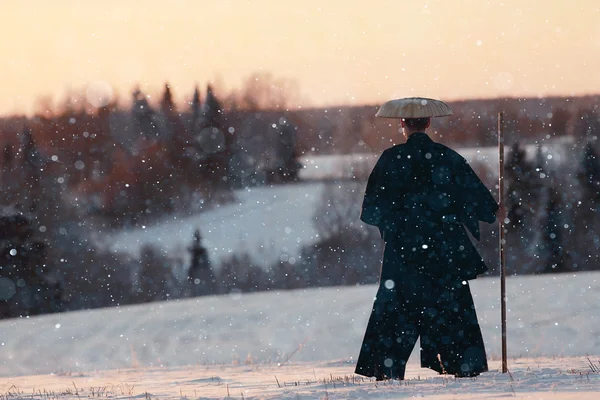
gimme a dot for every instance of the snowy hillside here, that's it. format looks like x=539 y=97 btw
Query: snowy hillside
x=551 y=315
x=268 y=222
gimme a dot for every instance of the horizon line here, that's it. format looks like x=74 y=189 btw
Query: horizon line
x=58 y=104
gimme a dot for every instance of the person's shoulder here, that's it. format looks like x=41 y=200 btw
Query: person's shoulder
x=395 y=154
x=446 y=151
x=395 y=150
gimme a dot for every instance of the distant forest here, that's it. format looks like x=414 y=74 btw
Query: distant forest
x=70 y=173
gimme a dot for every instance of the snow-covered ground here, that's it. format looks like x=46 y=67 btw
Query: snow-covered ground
x=190 y=348
x=265 y=222
x=550 y=378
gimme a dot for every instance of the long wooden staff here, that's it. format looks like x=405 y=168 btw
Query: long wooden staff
x=501 y=235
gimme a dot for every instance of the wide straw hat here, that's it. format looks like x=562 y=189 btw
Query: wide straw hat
x=413 y=107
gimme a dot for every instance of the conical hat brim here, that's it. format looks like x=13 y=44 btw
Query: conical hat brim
x=414 y=107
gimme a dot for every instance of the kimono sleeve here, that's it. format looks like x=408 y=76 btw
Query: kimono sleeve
x=375 y=203
x=478 y=204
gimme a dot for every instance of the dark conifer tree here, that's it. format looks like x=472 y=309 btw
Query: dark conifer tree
x=30 y=171
x=167 y=106
x=519 y=174
x=196 y=108
x=587 y=124
x=171 y=120
x=523 y=204
x=585 y=240
x=589 y=176
x=540 y=162
x=176 y=141
x=214 y=144
x=287 y=165
x=200 y=274
x=7 y=158
x=555 y=254
x=145 y=120
x=212 y=109
x=26 y=289
x=10 y=185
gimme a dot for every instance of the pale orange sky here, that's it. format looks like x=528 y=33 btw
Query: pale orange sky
x=339 y=52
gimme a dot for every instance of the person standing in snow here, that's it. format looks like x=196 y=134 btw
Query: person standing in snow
x=423 y=196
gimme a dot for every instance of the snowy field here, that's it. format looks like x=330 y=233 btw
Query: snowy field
x=297 y=344
x=538 y=378
x=264 y=222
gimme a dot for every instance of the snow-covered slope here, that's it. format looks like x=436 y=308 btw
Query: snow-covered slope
x=548 y=315
x=265 y=222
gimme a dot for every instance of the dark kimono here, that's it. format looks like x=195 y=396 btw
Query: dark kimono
x=423 y=196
